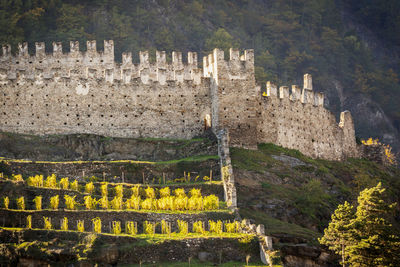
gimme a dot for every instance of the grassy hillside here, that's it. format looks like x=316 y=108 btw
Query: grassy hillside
x=294 y=196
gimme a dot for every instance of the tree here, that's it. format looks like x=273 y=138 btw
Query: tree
x=366 y=237
x=338 y=235
x=374 y=244
x=221 y=39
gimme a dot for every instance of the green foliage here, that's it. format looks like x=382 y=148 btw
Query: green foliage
x=64 y=224
x=54 y=201
x=338 y=234
x=96 y=225
x=38 y=202
x=116 y=227
x=70 y=203
x=364 y=237
x=21 y=203
x=29 y=222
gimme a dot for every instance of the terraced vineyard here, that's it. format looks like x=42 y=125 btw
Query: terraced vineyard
x=151 y=213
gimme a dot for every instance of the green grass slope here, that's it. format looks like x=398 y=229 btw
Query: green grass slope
x=294 y=196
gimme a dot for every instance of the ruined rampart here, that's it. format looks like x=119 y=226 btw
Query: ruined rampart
x=88 y=92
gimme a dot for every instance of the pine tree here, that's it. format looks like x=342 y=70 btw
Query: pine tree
x=338 y=234
x=375 y=244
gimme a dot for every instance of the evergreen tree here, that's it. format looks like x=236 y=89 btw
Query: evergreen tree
x=374 y=244
x=338 y=235
x=364 y=238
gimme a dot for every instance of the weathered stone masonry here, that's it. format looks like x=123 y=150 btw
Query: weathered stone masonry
x=88 y=92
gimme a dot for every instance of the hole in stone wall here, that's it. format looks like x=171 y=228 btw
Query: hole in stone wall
x=65 y=123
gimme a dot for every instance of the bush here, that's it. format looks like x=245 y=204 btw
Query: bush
x=149 y=228
x=6 y=202
x=116 y=227
x=150 y=193
x=195 y=192
x=165 y=203
x=116 y=203
x=90 y=203
x=233 y=227
x=147 y=204
x=211 y=202
x=104 y=189
x=64 y=184
x=180 y=192
x=51 y=181
x=38 y=202
x=47 y=223
x=135 y=191
x=195 y=203
x=180 y=203
x=133 y=203
x=119 y=191
x=104 y=202
x=21 y=203
x=182 y=227
x=80 y=226
x=131 y=228
x=165 y=192
x=198 y=227
x=89 y=188
x=54 y=201
x=70 y=203
x=215 y=227
x=17 y=177
x=165 y=227
x=96 y=225
x=29 y=222
x=74 y=185
x=64 y=224
x=36 y=181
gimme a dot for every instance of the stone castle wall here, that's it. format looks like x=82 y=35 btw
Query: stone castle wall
x=88 y=92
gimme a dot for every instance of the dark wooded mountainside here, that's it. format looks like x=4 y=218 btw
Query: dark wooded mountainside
x=351 y=47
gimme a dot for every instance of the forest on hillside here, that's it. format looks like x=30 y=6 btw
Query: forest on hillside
x=290 y=38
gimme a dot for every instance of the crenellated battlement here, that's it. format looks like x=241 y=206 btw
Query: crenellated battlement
x=93 y=64
x=237 y=67
x=305 y=95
